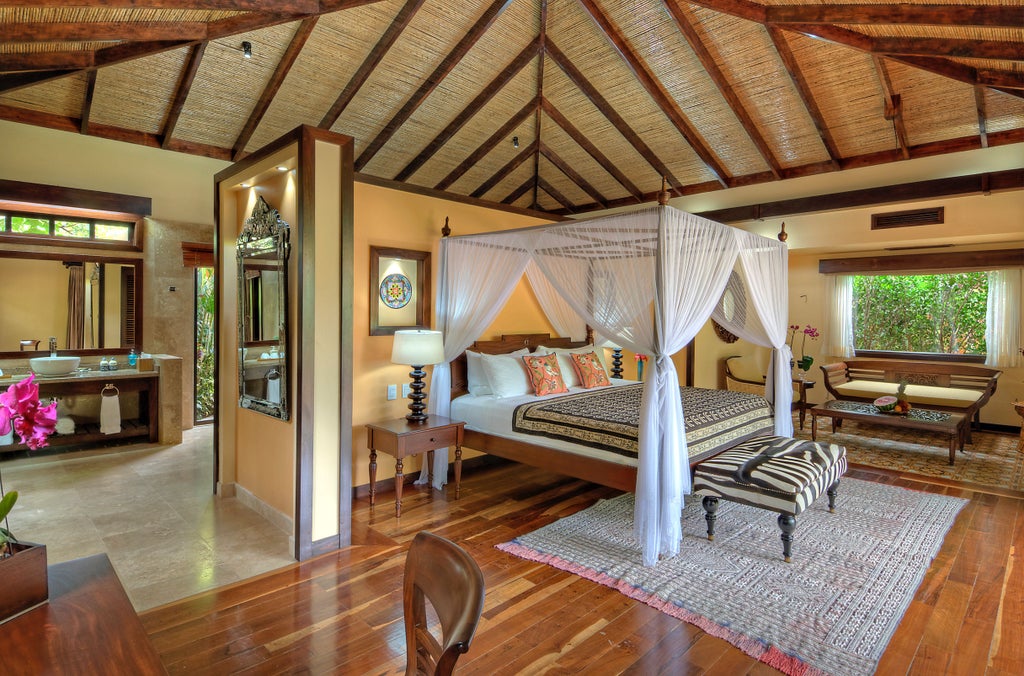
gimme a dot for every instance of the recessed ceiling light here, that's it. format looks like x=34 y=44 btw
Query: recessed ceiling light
x=243 y=185
x=282 y=168
x=247 y=50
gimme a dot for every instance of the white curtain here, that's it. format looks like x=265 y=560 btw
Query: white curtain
x=1002 y=321
x=563 y=318
x=648 y=280
x=476 y=278
x=838 y=327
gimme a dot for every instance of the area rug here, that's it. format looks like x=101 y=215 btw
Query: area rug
x=989 y=460
x=831 y=611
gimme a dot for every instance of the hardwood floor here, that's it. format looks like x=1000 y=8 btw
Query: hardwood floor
x=342 y=613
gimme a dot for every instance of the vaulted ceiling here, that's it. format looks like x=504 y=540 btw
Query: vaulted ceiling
x=563 y=106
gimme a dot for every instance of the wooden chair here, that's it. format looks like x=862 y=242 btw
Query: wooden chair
x=735 y=383
x=439 y=571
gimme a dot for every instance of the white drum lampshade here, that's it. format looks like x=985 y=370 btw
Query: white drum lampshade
x=417 y=348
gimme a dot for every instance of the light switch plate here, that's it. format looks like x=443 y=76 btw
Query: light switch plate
x=406 y=390
x=392 y=392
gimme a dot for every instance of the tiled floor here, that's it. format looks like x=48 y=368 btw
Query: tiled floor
x=151 y=509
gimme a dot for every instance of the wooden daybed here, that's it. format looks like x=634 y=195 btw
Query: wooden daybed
x=596 y=470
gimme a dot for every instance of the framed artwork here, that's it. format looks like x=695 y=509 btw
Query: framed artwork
x=399 y=290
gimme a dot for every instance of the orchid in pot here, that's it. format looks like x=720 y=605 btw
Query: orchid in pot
x=805 y=360
x=21 y=412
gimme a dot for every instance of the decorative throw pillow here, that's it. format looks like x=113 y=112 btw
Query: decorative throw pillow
x=565 y=360
x=589 y=370
x=545 y=375
x=506 y=375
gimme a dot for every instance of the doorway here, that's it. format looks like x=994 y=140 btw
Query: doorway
x=204 y=345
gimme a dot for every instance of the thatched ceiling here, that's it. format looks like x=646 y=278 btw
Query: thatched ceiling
x=602 y=97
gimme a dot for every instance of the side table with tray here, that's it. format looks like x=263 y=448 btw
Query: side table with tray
x=952 y=424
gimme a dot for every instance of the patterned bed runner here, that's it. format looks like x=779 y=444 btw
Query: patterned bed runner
x=610 y=417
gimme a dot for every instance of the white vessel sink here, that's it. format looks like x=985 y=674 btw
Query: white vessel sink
x=54 y=366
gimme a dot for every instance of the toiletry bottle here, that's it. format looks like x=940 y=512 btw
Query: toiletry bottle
x=132 y=358
x=104 y=364
x=112 y=364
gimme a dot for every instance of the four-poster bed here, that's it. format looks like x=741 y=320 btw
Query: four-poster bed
x=648 y=281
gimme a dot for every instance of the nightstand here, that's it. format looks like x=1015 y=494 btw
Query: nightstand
x=401 y=438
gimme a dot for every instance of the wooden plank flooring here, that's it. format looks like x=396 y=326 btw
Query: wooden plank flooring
x=341 y=613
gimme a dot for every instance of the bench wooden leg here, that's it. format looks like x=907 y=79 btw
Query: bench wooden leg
x=832 y=491
x=710 y=507
x=787 y=524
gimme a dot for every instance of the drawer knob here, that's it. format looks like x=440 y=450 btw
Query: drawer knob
x=432 y=438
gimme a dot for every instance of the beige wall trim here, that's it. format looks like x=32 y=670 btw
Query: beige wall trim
x=281 y=521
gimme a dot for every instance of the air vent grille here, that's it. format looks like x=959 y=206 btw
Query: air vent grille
x=906 y=219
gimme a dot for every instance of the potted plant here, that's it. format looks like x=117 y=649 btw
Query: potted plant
x=22 y=564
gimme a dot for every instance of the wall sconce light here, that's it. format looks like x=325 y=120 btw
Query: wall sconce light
x=247 y=50
x=515 y=142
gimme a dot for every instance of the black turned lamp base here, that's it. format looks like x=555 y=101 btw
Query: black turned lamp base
x=617 y=362
x=417 y=417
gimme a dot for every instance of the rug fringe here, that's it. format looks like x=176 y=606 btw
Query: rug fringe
x=758 y=649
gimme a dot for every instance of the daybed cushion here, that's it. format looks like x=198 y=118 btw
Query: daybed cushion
x=922 y=395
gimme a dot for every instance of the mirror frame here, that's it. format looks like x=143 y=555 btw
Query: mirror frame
x=137 y=263
x=262 y=233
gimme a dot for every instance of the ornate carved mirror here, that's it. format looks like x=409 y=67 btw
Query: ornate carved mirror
x=263 y=312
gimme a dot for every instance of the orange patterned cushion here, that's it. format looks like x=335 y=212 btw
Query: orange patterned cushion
x=545 y=374
x=589 y=369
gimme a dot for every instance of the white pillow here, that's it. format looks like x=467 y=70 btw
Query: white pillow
x=569 y=374
x=506 y=374
x=475 y=375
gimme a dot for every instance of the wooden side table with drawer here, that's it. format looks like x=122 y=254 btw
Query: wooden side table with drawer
x=401 y=438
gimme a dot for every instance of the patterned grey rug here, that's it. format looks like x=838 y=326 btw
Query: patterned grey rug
x=831 y=611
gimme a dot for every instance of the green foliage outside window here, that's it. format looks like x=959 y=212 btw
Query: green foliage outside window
x=113 y=231
x=942 y=313
x=71 y=229
x=204 y=343
x=33 y=226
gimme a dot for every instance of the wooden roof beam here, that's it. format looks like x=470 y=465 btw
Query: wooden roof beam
x=104 y=31
x=804 y=90
x=591 y=149
x=90 y=93
x=308 y=6
x=893 y=106
x=284 y=66
x=688 y=30
x=488 y=145
x=555 y=194
x=657 y=91
x=573 y=175
x=34 y=61
x=181 y=93
x=929 y=15
x=479 y=101
x=979 y=101
x=524 y=188
x=538 y=116
x=370 y=63
x=431 y=81
x=588 y=90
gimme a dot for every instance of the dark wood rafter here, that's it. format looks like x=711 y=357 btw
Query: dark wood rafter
x=105 y=31
x=538 y=117
x=188 y=75
x=573 y=175
x=906 y=13
x=488 y=145
x=605 y=108
x=555 y=194
x=893 y=107
x=525 y=187
x=1000 y=79
x=90 y=93
x=979 y=102
x=656 y=90
x=961 y=49
x=284 y=66
x=69 y=60
x=591 y=149
x=509 y=167
x=688 y=30
x=466 y=114
x=309 y=6
x=806 y=95
x=370 y=63
x=431 y=82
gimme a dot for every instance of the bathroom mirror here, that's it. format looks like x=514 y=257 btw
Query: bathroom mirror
x=92 y=304
x=263 y=312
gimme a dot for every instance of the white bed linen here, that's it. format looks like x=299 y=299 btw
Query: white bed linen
x=493 y=415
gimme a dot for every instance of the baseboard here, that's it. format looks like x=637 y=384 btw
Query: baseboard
x=1000 y=429
x=278 y=519
x=388 y=485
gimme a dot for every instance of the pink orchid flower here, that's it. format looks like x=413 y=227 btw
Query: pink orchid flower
x=20 y=409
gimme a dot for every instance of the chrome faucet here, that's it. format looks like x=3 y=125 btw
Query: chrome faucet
x=53 y=346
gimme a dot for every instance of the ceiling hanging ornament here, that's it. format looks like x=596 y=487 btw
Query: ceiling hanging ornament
x=783 y=235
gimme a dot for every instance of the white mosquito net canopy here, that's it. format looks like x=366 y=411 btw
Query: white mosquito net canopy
x=646 y=280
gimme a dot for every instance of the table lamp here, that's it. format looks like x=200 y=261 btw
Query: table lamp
x=417 y=348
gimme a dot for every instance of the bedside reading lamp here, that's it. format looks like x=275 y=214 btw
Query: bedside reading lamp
x=417 y=349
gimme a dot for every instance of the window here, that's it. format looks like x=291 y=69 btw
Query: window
x=934 y=313
x=66 y=227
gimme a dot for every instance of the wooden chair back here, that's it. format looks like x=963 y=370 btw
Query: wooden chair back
x=735 y=383
x=439 y=571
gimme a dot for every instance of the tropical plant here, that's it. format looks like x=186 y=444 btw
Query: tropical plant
x=205 y=331
x=6 y=537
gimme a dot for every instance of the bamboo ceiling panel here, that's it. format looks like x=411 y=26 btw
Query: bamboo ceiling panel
x=562 y=183
x=1004 y=111
x=576 y=157
x=933 y=107
x=63 y=97
x=128 y=96
x=495 y=160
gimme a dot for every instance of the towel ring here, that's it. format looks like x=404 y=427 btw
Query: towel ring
x=109 y=386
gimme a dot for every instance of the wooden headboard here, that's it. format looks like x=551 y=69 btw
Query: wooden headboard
x=504 y=345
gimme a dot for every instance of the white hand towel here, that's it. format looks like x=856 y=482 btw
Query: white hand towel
x=274 y=388
x=110 y=412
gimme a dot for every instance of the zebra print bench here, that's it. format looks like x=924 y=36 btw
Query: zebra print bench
x=775 y=473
